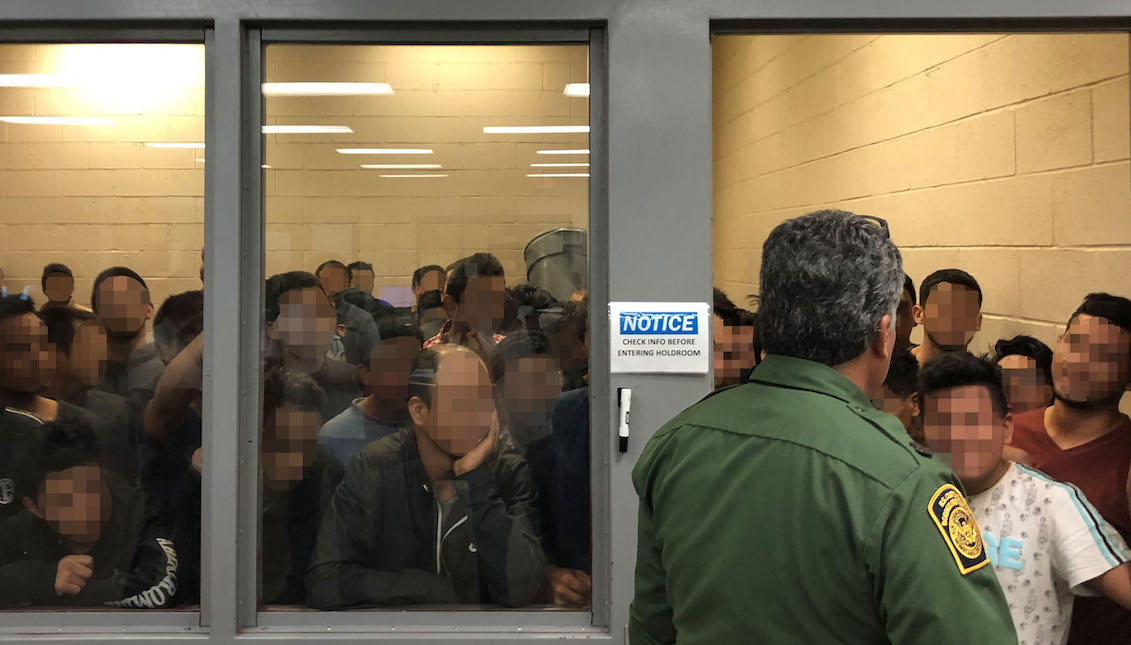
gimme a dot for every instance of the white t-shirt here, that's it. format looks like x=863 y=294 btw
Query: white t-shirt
x=1045 y=541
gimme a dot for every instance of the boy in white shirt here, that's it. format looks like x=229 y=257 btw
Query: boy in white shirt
x=1044 y=540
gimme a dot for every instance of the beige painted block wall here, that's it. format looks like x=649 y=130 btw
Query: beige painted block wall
x=94 y=197
x=1004 y=155
x=322 y=205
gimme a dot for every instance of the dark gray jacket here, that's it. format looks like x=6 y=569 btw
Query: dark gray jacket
x=382 y=542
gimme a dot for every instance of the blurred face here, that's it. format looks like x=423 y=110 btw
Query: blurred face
x=733 y=352
x=59 y=288
x=904 y=408
x=1091 y=364
x=463 y=405
x=530 y=388
x=332 y=279
x=1025 y=384
x=305 y=324
x=951 y=316
x=89 y=353
x=904 y=320
x=123 y=305
x=961 y=421
x=390 y=365
x=75 y=502
x=431 y=281
x=290 y=442
x=362 y=279
x=483 y=301
x=25 y=359
x=569 y=350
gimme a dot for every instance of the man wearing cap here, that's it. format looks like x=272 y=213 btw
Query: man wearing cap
x=788 y=509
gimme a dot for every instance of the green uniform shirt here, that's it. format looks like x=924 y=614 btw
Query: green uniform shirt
x=789 y=510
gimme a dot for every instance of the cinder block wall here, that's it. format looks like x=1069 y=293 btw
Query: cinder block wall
x=1004 y=155
x=322 y=205
x=93 y=197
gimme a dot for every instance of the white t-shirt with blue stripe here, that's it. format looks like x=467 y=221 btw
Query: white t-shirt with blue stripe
x=1045 y=542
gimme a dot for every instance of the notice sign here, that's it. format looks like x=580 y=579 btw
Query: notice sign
x=660 y=337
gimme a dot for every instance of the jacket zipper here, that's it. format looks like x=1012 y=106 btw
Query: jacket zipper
x=440 y=527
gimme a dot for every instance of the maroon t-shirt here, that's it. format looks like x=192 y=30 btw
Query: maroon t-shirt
x=1099 y=469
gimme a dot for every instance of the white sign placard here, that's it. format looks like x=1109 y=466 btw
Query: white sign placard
x=660 y=337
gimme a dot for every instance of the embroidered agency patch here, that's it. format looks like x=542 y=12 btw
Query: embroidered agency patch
x=951 y=513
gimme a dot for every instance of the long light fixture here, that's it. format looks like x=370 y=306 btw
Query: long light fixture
x=559 y=165
x=576 y=89
x=307 y=129
x=401 y=166
x=384 y=151
x=200 y=159
x=560 y=174
x=535 y=129
x=418 y=175
x=57 y=120
x=582 y=151
x=325 y=89
x=174 y=145
x=32 y=80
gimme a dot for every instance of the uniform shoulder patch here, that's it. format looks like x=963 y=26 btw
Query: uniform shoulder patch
x=952 y=515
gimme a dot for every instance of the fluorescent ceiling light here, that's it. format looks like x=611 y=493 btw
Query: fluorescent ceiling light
x=325 y=89
x=265 y=166
x=32 y=80
x=535 y=129
x=564 y=174
x=384 y=151
x=583 y=151
x=559 y=165
x=576 y=89
x=421 y=175
x=174 y=145
x=401 y=166
x=307 y=129
x=200 y=159
x=57 y=120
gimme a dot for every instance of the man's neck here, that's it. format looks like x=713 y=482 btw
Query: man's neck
x=983 y=484
x=65 y=387
x=1069 y=427
x=857 y=372
x=40 y=406
x=381 y=410
x=304 y=365
x=927 y=350
x=122 y=346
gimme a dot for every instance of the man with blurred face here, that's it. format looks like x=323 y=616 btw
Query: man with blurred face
x=904 y=316
x=298 y=481
x=1026 y=366
x=354 y=310
x=300 y=322
x=385 y=410
x=86 y=537
x=427 y=278
x=1083 y=439
x=438 y=512
x=474 y=298
x=898 y=396
x=527 y=384
x=1046 y=542
x=949 y=310
x=58 y=284
x=120 y=300
x=361 y=276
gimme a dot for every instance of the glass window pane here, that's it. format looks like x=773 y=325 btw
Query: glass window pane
x=425 y=438
x=101 y=222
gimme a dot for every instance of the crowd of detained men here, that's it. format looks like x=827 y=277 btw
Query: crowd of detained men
x=439 y=453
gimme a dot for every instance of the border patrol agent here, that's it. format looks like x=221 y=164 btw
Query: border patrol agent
x=788 y=509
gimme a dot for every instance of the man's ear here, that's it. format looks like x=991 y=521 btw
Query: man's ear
x=418 y=410
x=450 y=305
x=1008 y=423
x=915 y=411
x=885 y=336
x=271 y=330
x=32 y=507
x=917 y=314
x=149 y=312
x=978 y=327
x=341 y=330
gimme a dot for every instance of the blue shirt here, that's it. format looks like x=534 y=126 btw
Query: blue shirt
x=345 y=434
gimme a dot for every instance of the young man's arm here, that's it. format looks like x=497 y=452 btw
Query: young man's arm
x=341 y=569
x=1116 y=584
x=1087 y=552
x=178 y=386
x=506 y=532
x=22 y=580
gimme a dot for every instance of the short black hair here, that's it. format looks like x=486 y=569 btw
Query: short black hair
x=429 y=300
x=55 y=268
x=529 y=301
x=452 y=267
x=397 y=327
x=477 y=265
x=358 y=266
x=574 y=315
x=1026 y=346
x=284 y=387
x=722 y=306
x=114 y=272
x=329 y=263
x=959 y=369
x=909 y=287
x=520 y=344
x=949 y=276
x=1115 y=309
x=903 y=373
x=180 y=319
x=61 y=323
x=418 y=275
x=281 y=283
x=14 y=304
x=52 y=447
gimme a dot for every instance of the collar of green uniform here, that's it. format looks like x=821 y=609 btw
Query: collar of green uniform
x=799 y=373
